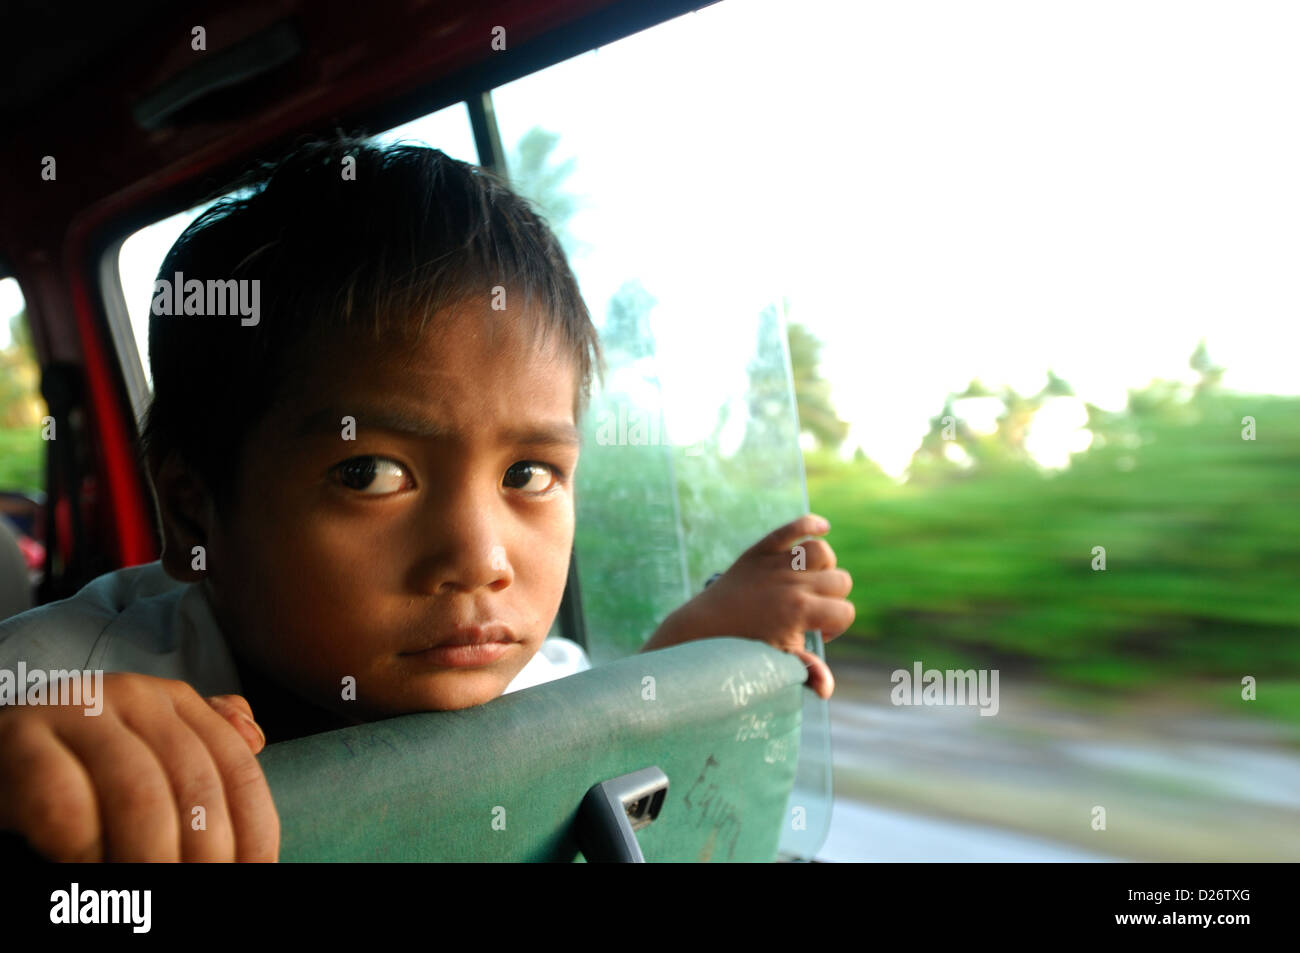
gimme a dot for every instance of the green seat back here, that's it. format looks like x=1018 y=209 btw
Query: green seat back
x=503 y=781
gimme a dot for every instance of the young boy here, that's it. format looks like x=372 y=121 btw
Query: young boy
x=363 y=449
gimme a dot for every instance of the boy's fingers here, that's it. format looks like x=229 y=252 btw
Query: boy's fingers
x=122 y=786
x=817 y=555
x=237 y=712
x=238 y=702
x=835 y=583
x=47 y=795
x=784 y=537
x=206 y=834
x=832 y=617
x=248 y=797
x=137 y=807
x=820 y=679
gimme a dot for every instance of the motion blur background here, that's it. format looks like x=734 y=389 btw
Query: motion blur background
x=1029 y=268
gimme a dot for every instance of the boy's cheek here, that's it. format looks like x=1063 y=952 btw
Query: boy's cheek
x=338 y=670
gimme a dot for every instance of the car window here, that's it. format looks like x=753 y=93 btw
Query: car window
x=139 y=259
x=447 y=129
x=24 y=432
x=691 y=448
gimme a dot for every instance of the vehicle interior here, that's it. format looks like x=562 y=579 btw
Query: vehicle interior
x=123 y=122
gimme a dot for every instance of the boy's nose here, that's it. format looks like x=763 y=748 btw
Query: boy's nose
x=476 y=567
x=464 y=550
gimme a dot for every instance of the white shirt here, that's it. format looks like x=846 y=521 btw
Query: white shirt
x=142 y=620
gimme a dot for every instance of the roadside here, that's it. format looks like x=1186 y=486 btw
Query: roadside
x=1177 y=781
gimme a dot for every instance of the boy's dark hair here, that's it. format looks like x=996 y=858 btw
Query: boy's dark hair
x=405 y=234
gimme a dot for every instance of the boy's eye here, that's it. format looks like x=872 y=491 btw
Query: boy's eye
x=531 y=476
x=374 y=476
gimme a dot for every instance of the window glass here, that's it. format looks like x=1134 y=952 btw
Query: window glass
x=1057 y=308
x=23 y=444
x=691 y=448
x=138 y=262
x=448 y=129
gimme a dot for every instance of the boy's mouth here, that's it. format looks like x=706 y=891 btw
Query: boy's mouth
x=468 y=646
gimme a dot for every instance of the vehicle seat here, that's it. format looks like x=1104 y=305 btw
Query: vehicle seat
x=504 y=781
x=15 y=580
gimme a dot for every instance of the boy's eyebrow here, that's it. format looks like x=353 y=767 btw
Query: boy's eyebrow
x=330 y=421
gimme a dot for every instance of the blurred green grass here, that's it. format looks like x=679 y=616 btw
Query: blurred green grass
x=1201 y=531
x=22 y=459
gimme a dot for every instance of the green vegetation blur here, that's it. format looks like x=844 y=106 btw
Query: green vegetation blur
x=22 y=452
x=995 y=563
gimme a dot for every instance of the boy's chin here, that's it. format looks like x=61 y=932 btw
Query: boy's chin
x=452 y=691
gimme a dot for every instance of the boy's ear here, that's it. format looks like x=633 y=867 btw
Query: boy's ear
x=186 y=511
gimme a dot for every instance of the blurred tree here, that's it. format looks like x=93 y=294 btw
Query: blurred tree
x=812 y=392
x=1056 y=386
x=934 y=461
x=768 y=397
x=1013 y=425
x=975 y=388
x=537 y=178
x=951 y=449
x=1210 y=374
x=20 y=378
x=771 y=422
x=626 y=335
x=1159 y=403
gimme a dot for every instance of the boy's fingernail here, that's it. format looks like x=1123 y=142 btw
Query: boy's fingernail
x=256 y=727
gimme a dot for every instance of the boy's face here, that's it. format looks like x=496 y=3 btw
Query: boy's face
x=447 y=520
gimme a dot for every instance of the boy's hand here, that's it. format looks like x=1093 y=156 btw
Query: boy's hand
x=122 y=785
x=764 y=597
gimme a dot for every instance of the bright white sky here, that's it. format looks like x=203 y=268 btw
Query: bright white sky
x=943 y=189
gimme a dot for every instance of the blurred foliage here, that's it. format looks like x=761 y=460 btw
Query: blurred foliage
x=950 y=448
x=22 y=459
x=21 y=405
x=22 y=451
x=534 y=175
x=992 y=564
x=812 y=392
x=626 y=336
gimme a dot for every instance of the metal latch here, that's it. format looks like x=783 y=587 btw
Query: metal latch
x=614 y=810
